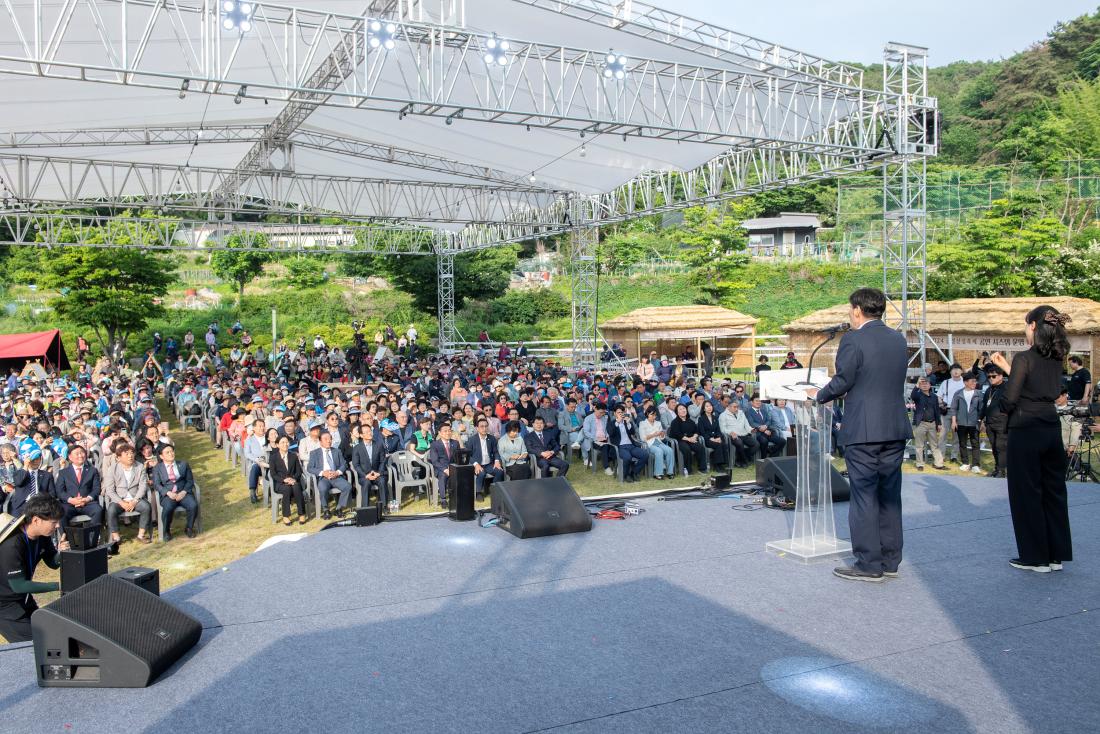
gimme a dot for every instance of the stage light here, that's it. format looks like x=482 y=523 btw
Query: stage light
x=497 y=54
x=183 y=88
x=237 y=16
x=584 y=151
x=240 y=94
x=381 y=35
x=614 y=66
x=532 y=178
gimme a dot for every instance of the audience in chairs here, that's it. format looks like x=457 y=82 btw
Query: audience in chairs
x=735 y=426
x=686 y=435
x=623 y=435
x=368 y=460
x=543 y=445
x=441 y=454
x=126 y=488
x=513 y=452
x=286 y=478
x=175 y=487
x=652 y=433
x=711 y=433
x=484 y=456
x=327 y=466
x=766 y=431
x=78 y=488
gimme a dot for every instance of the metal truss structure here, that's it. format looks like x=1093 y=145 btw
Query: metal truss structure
x=773 y=116
x=904 y=192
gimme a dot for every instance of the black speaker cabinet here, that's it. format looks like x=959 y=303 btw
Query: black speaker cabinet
x=531 y=508
x=368 y=515
x=146 y=578
x=460 y=492
x=781 y=474
x=109 y=633
x=79 y=567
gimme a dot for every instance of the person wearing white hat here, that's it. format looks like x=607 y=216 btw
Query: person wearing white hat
x=24 y=541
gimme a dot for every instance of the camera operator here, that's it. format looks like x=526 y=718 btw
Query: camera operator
x=1071 y=428
x=1079 y=386
x=1037 y=460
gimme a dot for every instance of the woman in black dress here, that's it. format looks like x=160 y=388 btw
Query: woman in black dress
x=1036 y=457
x=686 y=435
x=712 y=434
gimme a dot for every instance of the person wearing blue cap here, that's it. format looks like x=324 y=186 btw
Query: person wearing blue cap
x=34 y=479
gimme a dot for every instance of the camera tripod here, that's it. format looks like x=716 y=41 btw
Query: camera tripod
x=1080 y=464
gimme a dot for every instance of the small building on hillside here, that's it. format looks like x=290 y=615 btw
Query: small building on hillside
x=963 y=329
x=676 y=330
x=791 y=234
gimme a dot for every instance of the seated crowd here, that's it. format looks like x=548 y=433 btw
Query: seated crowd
x=101 y=449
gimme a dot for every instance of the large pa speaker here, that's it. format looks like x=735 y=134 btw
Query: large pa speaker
x=531 y=508
x=781 y=474
x=460 y=492
x=109 y=633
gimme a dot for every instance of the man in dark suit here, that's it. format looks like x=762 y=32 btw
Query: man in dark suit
x=543 y=445
x=368 y=459
x=870 y=375
x=440 y=455
x=175 y=487
x=34 y=481
x=328 y=466
x=484 y=456
x=78 y=489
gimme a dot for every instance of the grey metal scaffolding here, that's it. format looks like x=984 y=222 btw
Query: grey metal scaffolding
x=773 y=116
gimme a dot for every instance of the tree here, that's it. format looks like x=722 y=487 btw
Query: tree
x=1000 y=254
x=713 y=245
x=241 y=262
x=480 y=275
x=305 y=272
x=113 y=291
x=625 y=247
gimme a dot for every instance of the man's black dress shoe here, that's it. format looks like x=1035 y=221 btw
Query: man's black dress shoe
x=854 y=574
x=189 y=532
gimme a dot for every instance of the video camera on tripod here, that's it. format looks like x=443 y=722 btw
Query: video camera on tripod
x=1078 y=411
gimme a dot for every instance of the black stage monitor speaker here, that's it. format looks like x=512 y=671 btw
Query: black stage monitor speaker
x=109 y=634
x=460 y=491
x=146 y=578
x=531 y=508
x=79 y=567
x=369 y=515
x=781 y=474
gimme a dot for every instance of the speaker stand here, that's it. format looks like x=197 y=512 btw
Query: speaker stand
x=813 y=535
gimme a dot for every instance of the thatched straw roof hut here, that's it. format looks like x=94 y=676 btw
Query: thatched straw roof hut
x=675 y=330
x=966 y=327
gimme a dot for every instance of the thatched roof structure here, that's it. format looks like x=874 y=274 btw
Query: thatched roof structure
x=974 y=315
x=687 y=318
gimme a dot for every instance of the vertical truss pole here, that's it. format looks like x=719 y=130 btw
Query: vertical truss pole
x=911 y=127
x=445 y=261
x=582 y=275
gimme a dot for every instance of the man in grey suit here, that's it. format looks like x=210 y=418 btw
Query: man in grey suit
x=328 y=465
x=870 y=375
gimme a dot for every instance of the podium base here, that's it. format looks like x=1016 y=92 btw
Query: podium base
x=810 y=550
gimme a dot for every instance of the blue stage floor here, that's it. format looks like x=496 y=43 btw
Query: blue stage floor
x=676 y=620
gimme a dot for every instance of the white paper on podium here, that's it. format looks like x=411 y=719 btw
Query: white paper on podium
x=784 y=384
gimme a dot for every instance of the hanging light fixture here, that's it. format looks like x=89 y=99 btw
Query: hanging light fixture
x=614 y=66
x=237 y=15
x=381 y=34
x=496 y=53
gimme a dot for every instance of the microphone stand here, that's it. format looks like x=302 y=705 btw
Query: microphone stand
x=810 y=364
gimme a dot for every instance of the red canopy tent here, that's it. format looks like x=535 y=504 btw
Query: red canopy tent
x=18 y=349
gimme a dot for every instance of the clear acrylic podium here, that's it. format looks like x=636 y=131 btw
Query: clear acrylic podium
x=813 y=537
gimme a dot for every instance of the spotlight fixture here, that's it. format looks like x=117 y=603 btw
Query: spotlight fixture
x=240 y=94
x=184 y=87
x=532 y=177
x=497 y=51
x=237 y=15
x=614 y=66
x=381 y=34
x=584 y=150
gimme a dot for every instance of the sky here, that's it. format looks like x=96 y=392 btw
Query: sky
x=856 y=30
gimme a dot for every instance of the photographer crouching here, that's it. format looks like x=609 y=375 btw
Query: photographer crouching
x=1037 y=459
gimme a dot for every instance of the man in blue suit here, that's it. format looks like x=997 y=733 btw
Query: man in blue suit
x=78 y=489
x=328 y=466
x=175 y=487
x=870 y=375
x=484 y=456
x=34 y=480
